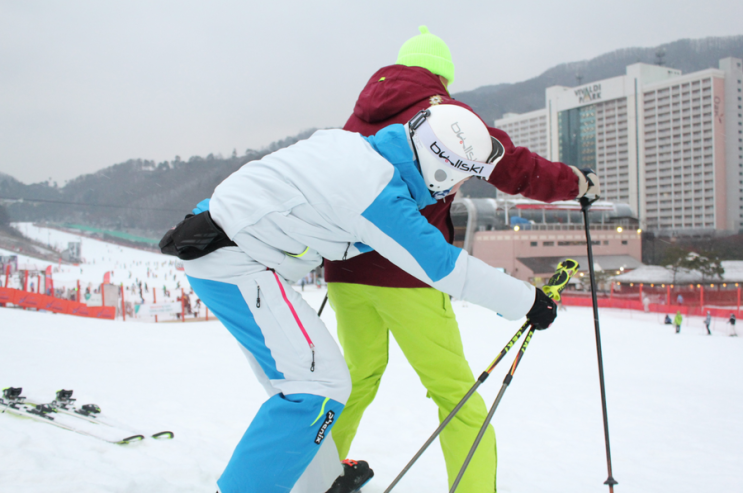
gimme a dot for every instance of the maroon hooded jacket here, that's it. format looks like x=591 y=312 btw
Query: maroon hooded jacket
x=393 y=95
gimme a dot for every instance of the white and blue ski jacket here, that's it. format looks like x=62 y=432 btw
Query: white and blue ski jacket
x=338 y=194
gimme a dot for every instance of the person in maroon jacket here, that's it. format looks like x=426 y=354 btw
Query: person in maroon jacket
x=372 y=297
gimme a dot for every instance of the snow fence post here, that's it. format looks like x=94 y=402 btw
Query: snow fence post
x=668 y=294
x=701 y=297
x=183 y=307
x=123 y=305
x=154 y=300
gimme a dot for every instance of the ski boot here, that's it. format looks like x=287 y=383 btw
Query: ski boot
x=355 y=475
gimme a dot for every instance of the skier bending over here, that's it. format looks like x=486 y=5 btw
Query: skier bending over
x=334 y=195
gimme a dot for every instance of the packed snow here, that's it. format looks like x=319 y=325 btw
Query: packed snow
x=675 y=401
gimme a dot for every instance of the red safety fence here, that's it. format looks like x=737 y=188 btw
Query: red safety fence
x=721 y=305
x=27 y=299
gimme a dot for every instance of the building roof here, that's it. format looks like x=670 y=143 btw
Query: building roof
x=547 y=265
x=662 y=275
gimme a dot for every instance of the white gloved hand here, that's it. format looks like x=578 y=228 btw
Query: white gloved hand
x=588 y=182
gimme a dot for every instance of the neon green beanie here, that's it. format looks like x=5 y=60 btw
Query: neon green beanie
x=427 y=51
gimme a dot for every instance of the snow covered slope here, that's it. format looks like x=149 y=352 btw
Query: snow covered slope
x=675 y=405
x=127 y=266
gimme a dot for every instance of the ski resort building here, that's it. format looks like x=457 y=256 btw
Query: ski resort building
x=669 y=145
x=527 y=239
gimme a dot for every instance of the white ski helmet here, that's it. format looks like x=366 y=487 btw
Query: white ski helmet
x=452 y=144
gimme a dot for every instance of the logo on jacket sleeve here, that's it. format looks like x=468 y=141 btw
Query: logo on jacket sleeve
x=329 y=418
x=434 y=100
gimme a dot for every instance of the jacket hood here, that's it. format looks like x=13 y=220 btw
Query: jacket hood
x=395 y=88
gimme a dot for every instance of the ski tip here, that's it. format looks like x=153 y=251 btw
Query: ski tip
x=133 y=438
x=163 y=435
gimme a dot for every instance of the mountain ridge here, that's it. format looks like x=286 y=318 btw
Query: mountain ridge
x=151 y=197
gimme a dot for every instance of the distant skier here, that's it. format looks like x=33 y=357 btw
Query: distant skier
x=731 y=321
x=707 y=321
x=667 y=320
x=677 y=321
x=272 y=221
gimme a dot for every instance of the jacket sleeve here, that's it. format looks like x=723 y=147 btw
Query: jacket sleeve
x=393 y=226
x=524 y=172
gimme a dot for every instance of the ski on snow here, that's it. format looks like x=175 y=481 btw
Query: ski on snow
x=62 y=407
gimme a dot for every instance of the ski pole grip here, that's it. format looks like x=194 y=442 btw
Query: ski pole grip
x=559 y=280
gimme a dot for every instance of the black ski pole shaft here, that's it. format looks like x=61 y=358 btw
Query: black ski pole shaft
x=483 y=376
x=491 y=413
x=322 y=307
x=585 y=205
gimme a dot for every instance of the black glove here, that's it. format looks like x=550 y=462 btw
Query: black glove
x=543 y=312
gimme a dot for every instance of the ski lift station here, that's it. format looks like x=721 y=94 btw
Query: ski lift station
x=527 y=239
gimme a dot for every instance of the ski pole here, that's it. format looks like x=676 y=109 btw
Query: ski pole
x=322 y=307
x=489 y=418
x=585 y=205
x=554 y=286
x=558 y=281
x=483 y=376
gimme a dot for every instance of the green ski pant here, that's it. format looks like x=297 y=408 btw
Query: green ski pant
x=423 y=324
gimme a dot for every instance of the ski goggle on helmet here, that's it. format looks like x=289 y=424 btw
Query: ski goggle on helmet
x=452 y=144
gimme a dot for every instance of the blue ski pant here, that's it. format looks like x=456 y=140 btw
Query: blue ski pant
x=288 y=446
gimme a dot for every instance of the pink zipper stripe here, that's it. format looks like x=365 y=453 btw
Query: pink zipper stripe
x=296 y=317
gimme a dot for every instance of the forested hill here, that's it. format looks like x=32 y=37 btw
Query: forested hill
x=138 y=196
x=145 y=198
x=688 y=55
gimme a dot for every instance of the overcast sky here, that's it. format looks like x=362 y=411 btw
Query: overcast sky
x=87 y=84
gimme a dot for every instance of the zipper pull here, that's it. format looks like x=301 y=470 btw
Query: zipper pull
x=312 y=367
x=258 y=298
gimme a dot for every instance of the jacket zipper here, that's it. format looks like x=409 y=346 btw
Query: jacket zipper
x=258 y=297
x=296 y=318
x=345 y=254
